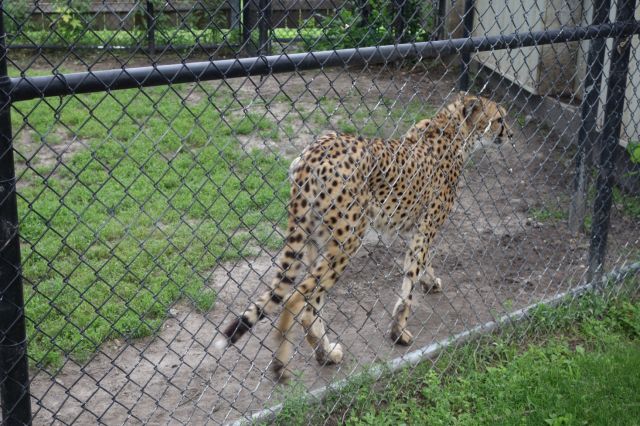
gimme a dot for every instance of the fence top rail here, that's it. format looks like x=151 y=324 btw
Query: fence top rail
x=24 y=88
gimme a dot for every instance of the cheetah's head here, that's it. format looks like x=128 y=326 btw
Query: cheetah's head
x=485 y=120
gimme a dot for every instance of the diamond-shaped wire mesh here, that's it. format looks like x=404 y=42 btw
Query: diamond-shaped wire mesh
x=157 y=225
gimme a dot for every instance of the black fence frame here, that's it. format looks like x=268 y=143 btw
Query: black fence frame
x=14 y=373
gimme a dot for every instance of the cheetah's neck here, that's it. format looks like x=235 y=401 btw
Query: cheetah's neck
x=447 y=130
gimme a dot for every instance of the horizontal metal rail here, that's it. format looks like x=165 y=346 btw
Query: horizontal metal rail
x=23 y=88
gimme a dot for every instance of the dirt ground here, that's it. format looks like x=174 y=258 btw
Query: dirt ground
x=495 y=254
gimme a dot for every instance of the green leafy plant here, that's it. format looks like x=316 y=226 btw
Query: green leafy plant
x=351 y=26
x=68 y=23
x=17 y=17
x=633 y=148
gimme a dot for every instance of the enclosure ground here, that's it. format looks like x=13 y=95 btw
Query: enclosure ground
x=505 y=246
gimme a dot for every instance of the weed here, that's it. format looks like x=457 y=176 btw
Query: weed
x=547 y=214
x=629 y=204
x=347 y=126
x=289 y=131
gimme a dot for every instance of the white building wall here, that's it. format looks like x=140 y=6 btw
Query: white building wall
x=553 y=70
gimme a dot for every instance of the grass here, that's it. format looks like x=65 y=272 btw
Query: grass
x=629 y=204
x=521 y=119
x=544 y=214
x=138 y=218
x=388 y=118
x=575 y=364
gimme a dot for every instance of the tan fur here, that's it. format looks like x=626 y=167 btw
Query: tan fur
x=340 y=185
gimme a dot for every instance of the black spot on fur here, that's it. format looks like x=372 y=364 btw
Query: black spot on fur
x=284 y=279
x=237 y=329
x=295 y=238
x=275 y=298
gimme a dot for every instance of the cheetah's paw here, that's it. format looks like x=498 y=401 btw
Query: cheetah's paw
x=401 y=337
x=435 y=286
x=333 y=354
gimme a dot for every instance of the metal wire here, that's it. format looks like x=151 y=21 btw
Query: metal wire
x=149 y=150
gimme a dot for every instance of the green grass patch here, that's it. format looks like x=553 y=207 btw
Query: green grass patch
x=546 y=214
x=136 y=219
x=629 y=204
x=574 y=364
x=387 y=118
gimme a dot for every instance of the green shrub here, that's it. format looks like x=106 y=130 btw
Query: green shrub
x=352 y=27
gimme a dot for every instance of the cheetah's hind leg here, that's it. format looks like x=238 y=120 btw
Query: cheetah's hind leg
x=429 y=282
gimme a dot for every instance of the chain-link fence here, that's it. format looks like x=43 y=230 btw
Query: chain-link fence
x=169 y=179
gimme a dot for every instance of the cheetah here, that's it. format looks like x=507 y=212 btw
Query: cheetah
x=342 y=184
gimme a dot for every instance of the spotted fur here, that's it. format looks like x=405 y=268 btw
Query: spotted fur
x=342 y=184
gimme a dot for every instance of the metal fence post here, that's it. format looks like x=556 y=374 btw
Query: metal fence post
x=465 y=57
x=151 y=28
x=587 y=135
x=249 y=22
x=399 y=20
x=14 y=367
x=440 y=19
x=264 y=27
x=364 y=10
x=235 y=8
x=609 y=140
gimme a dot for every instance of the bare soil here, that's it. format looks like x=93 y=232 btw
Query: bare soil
x=494 y=255
x=51 y=152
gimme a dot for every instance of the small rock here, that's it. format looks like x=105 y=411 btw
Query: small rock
x=528 y=119
x=529 y=221
x=174 y=312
